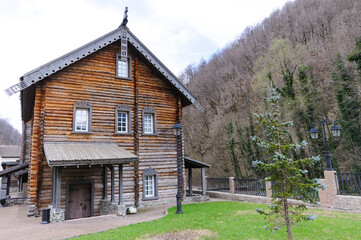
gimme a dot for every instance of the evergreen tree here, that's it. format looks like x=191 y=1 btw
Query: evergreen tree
x=355 y=56
x=285 y=173
x=231 y=145
x=348 y=102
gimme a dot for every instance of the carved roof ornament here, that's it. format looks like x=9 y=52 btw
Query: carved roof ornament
x=125 y=19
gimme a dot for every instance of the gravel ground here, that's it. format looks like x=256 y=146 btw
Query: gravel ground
x=14 y=223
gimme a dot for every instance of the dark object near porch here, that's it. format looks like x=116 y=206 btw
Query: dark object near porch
x=45 y=217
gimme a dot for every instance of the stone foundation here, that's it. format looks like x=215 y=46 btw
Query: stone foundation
x=56 y=215
x=14 y=201
x=196 y=198
x=107 y=207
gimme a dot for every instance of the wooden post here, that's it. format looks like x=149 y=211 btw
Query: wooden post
x=190 y=182
x=112 y=183
x=58 y=188
x=204 y=184
x=105 y=182
x=231 y=185
x=120 y=184
x=53 y=186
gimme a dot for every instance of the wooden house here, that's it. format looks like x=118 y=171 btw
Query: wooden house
x=97 y=129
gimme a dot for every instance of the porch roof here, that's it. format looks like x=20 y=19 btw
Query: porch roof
x=192 y=163
x=77 y=154
x=14 y=169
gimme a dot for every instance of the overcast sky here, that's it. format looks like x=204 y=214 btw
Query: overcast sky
x=179 y=33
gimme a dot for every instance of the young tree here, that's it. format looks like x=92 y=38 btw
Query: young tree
x=286 y=174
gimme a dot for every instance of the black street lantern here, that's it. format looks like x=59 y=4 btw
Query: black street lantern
x=177 y=130
x=336 y=132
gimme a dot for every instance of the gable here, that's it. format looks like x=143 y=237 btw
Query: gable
x=123 y=34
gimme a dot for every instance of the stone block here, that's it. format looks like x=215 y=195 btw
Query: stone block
x=131 y=210
x=121 y=210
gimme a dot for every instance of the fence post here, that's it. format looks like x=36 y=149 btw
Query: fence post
x=268 y=189
x=327 y=195
x=231 y=185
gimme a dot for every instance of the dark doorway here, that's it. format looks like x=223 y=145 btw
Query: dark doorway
x=79 y=200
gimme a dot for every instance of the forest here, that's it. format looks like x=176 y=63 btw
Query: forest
x=310 y=50
x=8 y=134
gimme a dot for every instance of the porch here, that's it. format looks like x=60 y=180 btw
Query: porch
x=84 y=179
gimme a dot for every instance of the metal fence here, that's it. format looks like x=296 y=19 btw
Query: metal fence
x=218 y=184
x=349 y=183
x=313 y=194
x=249 y=186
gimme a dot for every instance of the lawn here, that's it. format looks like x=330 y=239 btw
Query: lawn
x=236 y=220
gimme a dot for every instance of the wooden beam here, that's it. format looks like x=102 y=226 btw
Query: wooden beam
x=120 y=184
x=204 y=187
x=190 y=181
x=105 y=182
x=112 y=183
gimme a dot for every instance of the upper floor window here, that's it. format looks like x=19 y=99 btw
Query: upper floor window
x=122 y=119
x=123 y=67
x=82 y=115
x=149 y=121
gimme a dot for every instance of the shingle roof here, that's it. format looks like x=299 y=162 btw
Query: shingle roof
x=10 y=151
x=76 y=154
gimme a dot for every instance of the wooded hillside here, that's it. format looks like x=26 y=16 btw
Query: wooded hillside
x=308 y=51
x=8 y=134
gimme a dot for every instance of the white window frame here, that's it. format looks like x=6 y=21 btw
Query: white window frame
x=146 y=112
x=149 y=186
x=82 y=106
x=150 y=173
x=126 y=64
x=123 y=108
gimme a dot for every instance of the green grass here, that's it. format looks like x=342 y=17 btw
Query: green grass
x=236 y=220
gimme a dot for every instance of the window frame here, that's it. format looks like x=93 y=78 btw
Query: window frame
x=129 y=64
x=153 y=112
x=123 y=108
x=82 y=105
x=146 y=173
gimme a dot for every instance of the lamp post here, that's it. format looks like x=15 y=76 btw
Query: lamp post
x=177 y=130
x=336 y=132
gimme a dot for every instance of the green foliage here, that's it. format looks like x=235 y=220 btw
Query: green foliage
x=348 y=102
x=355 y=56
x=231 y=145
x=286 y=173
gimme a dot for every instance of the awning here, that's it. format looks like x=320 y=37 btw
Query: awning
x=15 y=169
x=77 y=154
x=191 y=163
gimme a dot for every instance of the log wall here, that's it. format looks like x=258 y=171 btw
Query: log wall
x=93 y=80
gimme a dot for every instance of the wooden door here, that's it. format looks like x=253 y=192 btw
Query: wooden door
x=79 y=200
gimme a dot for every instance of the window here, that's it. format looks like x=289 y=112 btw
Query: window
x=82 y=115
x=123 y=119
x=150 y=184
x=81 y=119
x=123 y=67
x=149 y=121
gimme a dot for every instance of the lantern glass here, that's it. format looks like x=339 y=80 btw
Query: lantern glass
x=314 y=133
x=336 y=131
x=177 y=129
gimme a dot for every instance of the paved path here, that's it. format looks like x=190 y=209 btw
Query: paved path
x=14 y=224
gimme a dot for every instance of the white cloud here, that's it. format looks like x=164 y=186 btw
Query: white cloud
x=179 y=33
